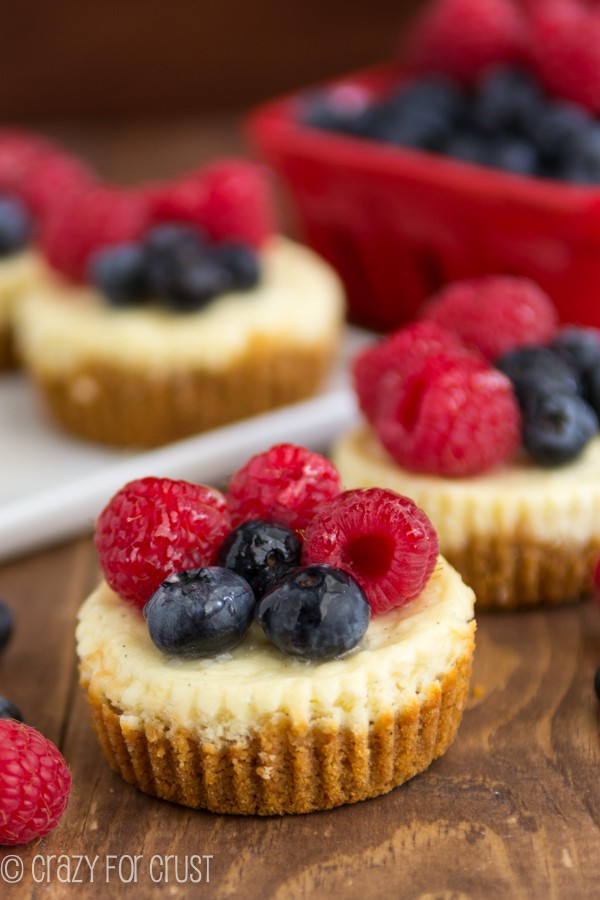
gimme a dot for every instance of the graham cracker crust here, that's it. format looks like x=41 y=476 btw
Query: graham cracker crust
x=127 y=407
x=280 y=767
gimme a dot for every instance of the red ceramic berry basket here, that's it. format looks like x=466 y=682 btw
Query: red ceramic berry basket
x=399 y=223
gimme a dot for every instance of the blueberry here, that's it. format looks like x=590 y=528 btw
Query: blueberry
x=241 y=262
x=513 y=154
x=347 y=110
x=16 y=225
x=580 y=348
x=559 y=129
x=505 y=100
x=467 y=147
x=535 y=371
x=317 y=612
x=261 y=552
x=200 y=613
x=197 y=283
x=119 y=272
x=593 y=390
x=557 y=428
x=424 y=128
x=8 y=710
x=7 y=624
x=437 y=93
x=169 y=248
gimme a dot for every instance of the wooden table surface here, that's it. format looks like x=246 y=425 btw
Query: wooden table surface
x=511 y=811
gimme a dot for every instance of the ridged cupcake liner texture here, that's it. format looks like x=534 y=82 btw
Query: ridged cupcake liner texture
x=128 y=407
x=283 y=767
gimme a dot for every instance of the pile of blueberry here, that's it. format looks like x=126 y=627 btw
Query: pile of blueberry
x=175 y=265
x=507 y=122
x=313 y=612
x=16 y=225
x=7 y=623
x=558 y=390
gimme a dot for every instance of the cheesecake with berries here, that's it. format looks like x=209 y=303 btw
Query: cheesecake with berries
x=35 y=175
x=283 y=648
x=177 y=309
x=486 y=414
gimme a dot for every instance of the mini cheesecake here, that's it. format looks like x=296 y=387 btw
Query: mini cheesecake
x=144 y=376
x=255 y=731
x=521 y=535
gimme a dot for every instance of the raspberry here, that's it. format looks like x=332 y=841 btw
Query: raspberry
x=19 y=151
x=494 y=314
x=98 y=216
x=52 y=177
x=565 y=50
x=154 y=527
x=398 y=353
x=383 y=540
x=230 y=200
x=35 y=783
x=286 y=484
x=451 y=418
x=462 y=37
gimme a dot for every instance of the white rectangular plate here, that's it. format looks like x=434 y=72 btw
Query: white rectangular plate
x=53 y=486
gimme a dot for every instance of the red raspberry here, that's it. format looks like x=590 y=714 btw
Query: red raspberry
x=230 y=200
x=494 y=314
x=462 y=37
x=156 y=526
x=383 y=540
x=451 y=418
x=98 y=216
x=35 y=783
x=19 y=151
x=398 y=353
x=565 y=50
x=51 y=178
x=286 y=484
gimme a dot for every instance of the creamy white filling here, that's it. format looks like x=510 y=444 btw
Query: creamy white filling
x=18 y=273
x=521 y=499
x=401 y=653
x=299 y=300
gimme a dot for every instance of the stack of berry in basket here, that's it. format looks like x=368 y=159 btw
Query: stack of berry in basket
x=34 y=174
x=486 y=412
x=174 y=308
x=476 y=152
x=300 y=646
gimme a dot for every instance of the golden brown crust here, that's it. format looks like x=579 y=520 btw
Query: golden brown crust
x=114 y=405
x=282 y=768
x=512 y=572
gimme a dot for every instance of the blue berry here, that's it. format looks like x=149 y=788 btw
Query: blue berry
x=537 y=371
x=16 y=225
x=196 y=284
x=200 y=613
x=579 y=347
x=468 y=147
x=261 y=552
x=168 y=248
x=119 y=272
x=505 y=99
x=557 y=428
x=513 y=154
x=559 y=129
x=7 y=624
x=241 y=262
x=317 y=612
x=8 y=710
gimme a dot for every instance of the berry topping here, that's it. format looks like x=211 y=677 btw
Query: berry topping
x=462 y=37
x=557 y=428
x=34 y=783
x=7 y=624
x=90 y=220
x=154 y=527
x=229 y=199
x=451 y=418
x=538 y=371
x=384 y=541
x=317 y=612
x=200 y=613
x=261 y=552
x=399 y=353
x=16 y=225
x=580 y=348
x=8 y=710
x=52 y=177
x=119 y=273
x=285 y=484
x=494 y=314
x=242 y=264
